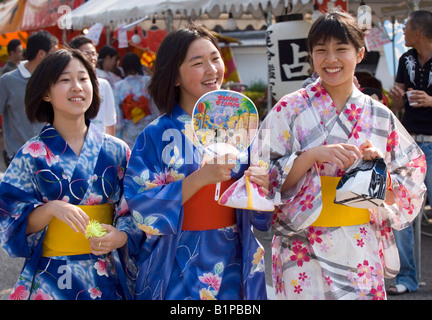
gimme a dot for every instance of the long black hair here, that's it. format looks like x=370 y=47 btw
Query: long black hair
x=171 y=54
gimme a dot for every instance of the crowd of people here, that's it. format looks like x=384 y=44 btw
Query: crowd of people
x=88 y=141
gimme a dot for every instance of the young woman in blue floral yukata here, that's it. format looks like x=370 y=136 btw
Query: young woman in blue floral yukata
x=316 y=134
x=186 y=245
x=60 y=180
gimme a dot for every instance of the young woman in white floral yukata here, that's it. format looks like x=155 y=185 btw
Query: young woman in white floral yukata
x=322 y=250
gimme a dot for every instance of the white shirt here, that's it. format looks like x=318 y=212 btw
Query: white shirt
x=107 y=115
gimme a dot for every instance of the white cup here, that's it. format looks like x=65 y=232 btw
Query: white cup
x=408 y=94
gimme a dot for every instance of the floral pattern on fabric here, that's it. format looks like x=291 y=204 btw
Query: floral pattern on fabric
x=47 y=169
x=225 y=263
x=347 y=262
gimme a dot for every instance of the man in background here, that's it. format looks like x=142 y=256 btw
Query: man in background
x=414 y=75
x=17 y=129
x=15 y=52
x=107 y=115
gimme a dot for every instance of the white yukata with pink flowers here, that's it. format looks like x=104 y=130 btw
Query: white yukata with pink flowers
x=47 y=169
x=347 y=262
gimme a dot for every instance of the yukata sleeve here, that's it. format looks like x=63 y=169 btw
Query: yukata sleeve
x=18 y=197
x=407 y=166
x=260 y=220
x=125 y=222
x=278 y=145
x=123 y=219
x=152 y=189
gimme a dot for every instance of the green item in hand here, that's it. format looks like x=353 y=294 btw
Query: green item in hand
x=95 y=229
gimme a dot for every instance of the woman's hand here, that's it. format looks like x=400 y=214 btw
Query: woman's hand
x=260 y=176
x=343 y=155
x=214 y=171
x=217 y=169
x=112 y=240
x=369 y=151
x=70 y=214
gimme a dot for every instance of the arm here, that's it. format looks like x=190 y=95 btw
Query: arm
x=109 y=108
x=110 y=130
x=210 y=173
x=343 y=155
x=73 y=216
x=397 y=94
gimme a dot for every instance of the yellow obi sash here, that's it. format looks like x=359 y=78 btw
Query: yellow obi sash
x=61 y=240
x=337 y=215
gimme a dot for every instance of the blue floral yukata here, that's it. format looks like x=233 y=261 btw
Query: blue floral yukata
x=47 y=169
x=224 y=263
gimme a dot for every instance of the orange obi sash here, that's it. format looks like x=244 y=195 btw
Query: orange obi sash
x=337 y=215
x=202 y=212
x=61 y=240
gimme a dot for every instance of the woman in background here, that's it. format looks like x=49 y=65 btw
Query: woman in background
x=107 y=65
x=134 y=106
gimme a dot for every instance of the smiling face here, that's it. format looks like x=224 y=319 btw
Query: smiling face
x=201 y=71
x=71 y=95
x=335 y=63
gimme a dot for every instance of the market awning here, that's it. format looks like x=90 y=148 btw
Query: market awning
x=115 y=12
x=46 y=13
x=19 y=15
x=11 y=13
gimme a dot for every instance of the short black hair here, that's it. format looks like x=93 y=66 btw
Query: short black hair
x=106 y=51
x=40 y=40
x=78 y=41
x=335 y=24
x=12 y=45
x=45 y=75
x=422 y=20
x=131 y=63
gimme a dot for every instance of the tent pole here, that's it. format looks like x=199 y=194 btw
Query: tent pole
x=393 y=46
x=269 y=95
x=168 y=20
x=64 y=37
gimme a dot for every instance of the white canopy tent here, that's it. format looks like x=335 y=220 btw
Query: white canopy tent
x=114 y=12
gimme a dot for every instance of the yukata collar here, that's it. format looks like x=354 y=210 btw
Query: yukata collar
x=178 y=112
x=316 y=89
x=58 y=145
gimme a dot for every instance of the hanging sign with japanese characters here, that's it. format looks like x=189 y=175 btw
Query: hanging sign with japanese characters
x=287 y=54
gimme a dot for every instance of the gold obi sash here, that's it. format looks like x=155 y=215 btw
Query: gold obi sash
x=337 y=215
x=61 y=240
